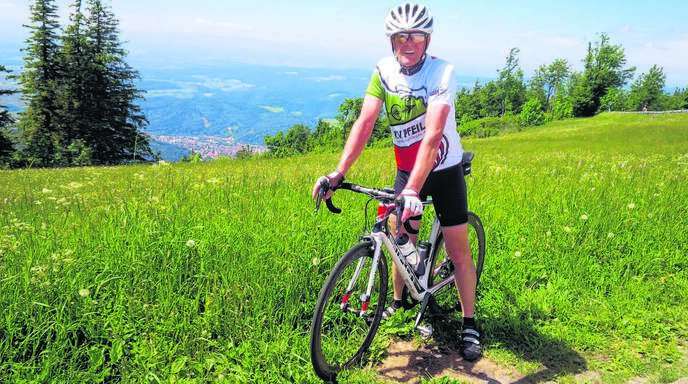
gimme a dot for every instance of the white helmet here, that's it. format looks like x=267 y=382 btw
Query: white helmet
x=408 y=17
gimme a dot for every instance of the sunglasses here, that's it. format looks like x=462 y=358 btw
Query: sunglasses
x=415 y=37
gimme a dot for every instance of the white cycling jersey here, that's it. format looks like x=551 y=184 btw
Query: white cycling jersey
x=406 y=100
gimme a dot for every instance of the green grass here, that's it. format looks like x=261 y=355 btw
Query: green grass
x=209 y=272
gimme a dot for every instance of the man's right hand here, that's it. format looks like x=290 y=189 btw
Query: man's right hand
x=334 y=179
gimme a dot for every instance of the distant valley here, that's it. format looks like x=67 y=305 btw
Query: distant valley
x=215 y=110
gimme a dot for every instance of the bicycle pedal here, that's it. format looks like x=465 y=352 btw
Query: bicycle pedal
x=425 y=330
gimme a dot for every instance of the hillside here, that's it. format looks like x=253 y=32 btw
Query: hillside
x=210 y=271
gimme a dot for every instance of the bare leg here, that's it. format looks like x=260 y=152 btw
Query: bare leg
x=458 y=249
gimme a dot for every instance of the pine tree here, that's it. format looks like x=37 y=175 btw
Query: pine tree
x=74 y=100
x=115 y=134
x=5 y=117
x=6 y=145
x=39 y=124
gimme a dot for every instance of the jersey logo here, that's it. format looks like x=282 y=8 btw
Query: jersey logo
x=404 y=111
x=404 y=103
x=442 y=152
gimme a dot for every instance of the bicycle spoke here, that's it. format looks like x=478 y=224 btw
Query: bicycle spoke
x=345 y=322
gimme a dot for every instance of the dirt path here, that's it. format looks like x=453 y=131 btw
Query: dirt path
x=408 y=362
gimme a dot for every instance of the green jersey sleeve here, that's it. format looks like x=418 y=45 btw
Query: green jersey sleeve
x=375 y=88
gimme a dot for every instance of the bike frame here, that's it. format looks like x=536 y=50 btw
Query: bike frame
x=381 y=237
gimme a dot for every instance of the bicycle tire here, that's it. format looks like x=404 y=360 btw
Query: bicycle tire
x=340 y=337
x=446 y=300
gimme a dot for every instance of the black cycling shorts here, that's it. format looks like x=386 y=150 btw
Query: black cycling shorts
x=448 y=190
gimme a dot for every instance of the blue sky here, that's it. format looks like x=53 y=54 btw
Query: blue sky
x=476 y=36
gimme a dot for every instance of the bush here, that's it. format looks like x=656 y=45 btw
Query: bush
x=488 y=126
x=532 y=113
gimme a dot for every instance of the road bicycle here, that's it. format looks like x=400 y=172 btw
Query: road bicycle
x=352 y=300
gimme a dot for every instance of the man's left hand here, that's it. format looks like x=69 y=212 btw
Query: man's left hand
x=412 y=205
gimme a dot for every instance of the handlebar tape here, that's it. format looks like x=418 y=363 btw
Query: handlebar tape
x=331 y=206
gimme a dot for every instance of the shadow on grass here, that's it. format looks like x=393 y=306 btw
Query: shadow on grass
x=515 y=333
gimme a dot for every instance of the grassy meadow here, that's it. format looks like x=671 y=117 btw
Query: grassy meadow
x=209 y=272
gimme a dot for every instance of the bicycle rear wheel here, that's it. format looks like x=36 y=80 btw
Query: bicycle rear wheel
x=447 y=299
x=341 y=332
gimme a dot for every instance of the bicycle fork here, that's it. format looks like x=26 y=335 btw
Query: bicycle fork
x=365 y=298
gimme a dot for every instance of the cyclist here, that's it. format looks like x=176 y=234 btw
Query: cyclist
x=418 y=91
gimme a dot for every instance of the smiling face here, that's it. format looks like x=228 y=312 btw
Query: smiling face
x=410 y=47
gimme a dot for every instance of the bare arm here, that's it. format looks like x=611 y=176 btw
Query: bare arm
x=435 y=119
x=360 y=133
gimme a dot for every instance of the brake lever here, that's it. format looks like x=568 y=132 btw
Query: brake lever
x=325 y=187
x=399 y=204
x=318 y=200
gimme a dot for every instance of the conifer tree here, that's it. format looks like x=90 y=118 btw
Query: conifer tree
x=5 y=117
x=74 y=100
x=38 y=125
x=6 y=145
x=115 y=133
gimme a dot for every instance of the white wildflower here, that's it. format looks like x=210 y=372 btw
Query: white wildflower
x=83 y=292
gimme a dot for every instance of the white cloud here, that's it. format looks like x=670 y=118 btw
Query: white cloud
x=222 y=26
x=671 y=55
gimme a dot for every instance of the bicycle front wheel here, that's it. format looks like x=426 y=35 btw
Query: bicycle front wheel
x=447 y=299
x=345 y=323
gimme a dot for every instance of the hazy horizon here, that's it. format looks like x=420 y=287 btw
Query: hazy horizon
x=475 y=37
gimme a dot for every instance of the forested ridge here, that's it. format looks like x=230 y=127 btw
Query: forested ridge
x=510 y=103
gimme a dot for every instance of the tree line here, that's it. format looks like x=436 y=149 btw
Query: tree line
x=79 y=94
x=554 y=92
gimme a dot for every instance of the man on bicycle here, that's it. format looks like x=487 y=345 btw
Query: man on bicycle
x=418 y=91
